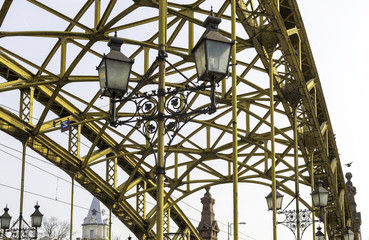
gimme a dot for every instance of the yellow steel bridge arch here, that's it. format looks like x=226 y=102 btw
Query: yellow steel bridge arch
x=56 y=80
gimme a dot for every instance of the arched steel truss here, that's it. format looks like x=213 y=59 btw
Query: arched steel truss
x=62 y=84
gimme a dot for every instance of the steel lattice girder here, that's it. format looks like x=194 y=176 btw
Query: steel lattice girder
x=254 y=18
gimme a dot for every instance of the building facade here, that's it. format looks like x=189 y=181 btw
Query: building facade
x=94 y=226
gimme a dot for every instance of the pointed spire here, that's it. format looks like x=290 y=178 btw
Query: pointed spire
x=208 y=226
x=94 y=215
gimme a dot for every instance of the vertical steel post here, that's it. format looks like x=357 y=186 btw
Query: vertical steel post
x=297 y=173
x=161 y=131
x=63 y=55
x=24 y=144
x=272 y=142
x=71 y=209
x=234 y=119
x=325 y=223
x=31 y=97
x=312 y=187
x=97 y=12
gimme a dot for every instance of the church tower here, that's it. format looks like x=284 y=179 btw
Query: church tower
x=94 y=226
x=208 y=226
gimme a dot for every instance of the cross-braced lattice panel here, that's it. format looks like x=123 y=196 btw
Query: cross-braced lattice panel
x=57 y=58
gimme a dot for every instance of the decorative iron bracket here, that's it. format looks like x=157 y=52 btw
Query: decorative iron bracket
x=144 y=113
x=25 y=233
x=291 y=221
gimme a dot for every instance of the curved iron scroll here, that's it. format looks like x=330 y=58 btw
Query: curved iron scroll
x=291 y=220
x=145 y=115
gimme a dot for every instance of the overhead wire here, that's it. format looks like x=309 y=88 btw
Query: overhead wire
x=58 y=177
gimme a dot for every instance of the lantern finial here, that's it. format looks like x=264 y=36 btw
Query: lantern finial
x=211 y=23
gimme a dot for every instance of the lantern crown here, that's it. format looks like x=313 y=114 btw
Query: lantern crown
x=211 y=23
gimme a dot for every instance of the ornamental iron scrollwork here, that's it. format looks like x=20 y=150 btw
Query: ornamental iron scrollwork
x=291 y=220
x=143 y=108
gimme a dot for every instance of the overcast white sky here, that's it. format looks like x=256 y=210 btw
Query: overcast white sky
x=338 y=33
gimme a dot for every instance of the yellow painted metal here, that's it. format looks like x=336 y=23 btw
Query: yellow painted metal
x=31 y=101
x=111 y=178
x=23 y=172
x=161 y=130
x=110 y=223
x=97 y=12
x=234 y=122
x=71 y=210
x=189 y=158
x=4 y=10
x=297 y=172
x=312 y=182
x=272 y=143
x=63 y=56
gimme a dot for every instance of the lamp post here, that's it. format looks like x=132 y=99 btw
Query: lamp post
x=165 y=111
x=301 y=218
x=349 y=234
x=269 y=200
x=28 y=232
x=229 y=232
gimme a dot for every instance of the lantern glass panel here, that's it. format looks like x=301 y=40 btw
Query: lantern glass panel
x=117 y=75
x=200 y=60
x=349 y=235
x=218 y=56
x=324 y=199
x=320 y=197
x=102 y=75
x=279 y=199
x=36 y=221
x=269 y=200
x=36 y=217
x=5 y=221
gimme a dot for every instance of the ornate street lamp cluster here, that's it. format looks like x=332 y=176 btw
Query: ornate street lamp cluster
x=211 y=55
x=26 y=232
x=320 y=200
x=170 y=106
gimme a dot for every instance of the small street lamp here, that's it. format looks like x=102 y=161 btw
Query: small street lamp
x=114 y=70
x=36 y=217
x=5 y=219
x=320 y=195
x=230 y=228
x=319 y=235
x=349 y=234
x=301 y=217
x=28 y=232
x=212 y=52
x=269 y=200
